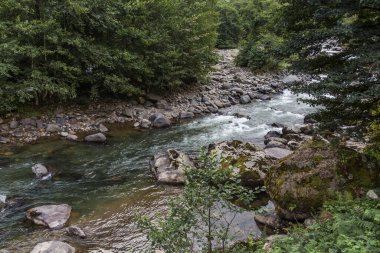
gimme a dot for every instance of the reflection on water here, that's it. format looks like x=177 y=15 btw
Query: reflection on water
x=110 y=185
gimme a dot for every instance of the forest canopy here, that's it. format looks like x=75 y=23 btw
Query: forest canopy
x=59 y=50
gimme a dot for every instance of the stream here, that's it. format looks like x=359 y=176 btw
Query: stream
x=110 y=185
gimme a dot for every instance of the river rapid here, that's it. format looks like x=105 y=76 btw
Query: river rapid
x=110 y=185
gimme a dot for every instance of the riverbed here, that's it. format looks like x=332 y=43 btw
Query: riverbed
x=110 y=185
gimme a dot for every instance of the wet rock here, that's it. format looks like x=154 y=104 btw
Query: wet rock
x=263 y=97
x=271 y=134
x=51 y=216
x=186 y=115
x=372 y=195
x=103 y=128
x=53 y=128
x=169 y=167
x=13 y=124
x=72 y=137
x=159 y=120
x=75 y=231
x=291 y=130
x=53 y=247
x=278 y=125
x=241 y=115
x=99 y=138
x=277 y=153
x=300 y=183
x=40 y=170
x=245 y=99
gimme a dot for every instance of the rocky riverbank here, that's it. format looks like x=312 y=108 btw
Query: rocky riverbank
x=228 y=85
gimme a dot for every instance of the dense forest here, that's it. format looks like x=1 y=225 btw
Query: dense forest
x=69 y=52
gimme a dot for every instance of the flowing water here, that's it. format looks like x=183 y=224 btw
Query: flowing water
x=110 y=185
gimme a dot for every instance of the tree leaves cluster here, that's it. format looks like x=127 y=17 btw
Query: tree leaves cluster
x=303 y=33
x=59 y=50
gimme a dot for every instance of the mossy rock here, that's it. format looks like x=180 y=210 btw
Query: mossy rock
x=300 y=183
x=248 y=160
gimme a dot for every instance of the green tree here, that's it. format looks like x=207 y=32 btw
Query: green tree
x=196 y=219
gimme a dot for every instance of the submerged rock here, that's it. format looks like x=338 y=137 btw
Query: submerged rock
x=53 y=247
x=159 y=120
x=300 y=183
x=40 y=170
x=75 y=231
x=99 y=137
x=51 y=216
x=170 y=167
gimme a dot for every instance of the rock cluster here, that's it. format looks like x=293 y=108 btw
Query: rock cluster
x=170 y=167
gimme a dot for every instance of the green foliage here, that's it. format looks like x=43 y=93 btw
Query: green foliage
x=345 y=225
x=196 y=218
x=58 y=50
x=230 y=28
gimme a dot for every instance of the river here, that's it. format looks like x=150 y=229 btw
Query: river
x=110 y=185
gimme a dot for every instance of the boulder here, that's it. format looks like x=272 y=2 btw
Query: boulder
x=13 y=124
x=275 y=144
x=300 y=183
x=290 y=79
x=238 y=91
x=248 y=160
x=72 y=137
x=53 y=128
x=162 y=104
x=99 y=138
x=51 y=216
x=153 y=98
x=277 y=153
x=53 y=247
x=272 y=134
x=103 y=128
x=372 y=195
x=170 y=167
x=159 y=120
x=293 y=145
x=40 y=170
x=186 y=115
x=245 y=99
x=75 y=231
x=291 y=130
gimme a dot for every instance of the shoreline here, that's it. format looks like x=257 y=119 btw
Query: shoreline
x=228 y=85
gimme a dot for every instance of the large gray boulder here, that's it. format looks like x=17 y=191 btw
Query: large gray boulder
x=40 y=170
x=159 y=120
x=99 y=138
x=51 y=216
x=170 y=167
x=53 y=247
x=245 y=99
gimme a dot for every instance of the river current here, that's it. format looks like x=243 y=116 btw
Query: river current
x=110 y=185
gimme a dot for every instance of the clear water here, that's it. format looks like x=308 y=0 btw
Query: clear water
x=110 y=185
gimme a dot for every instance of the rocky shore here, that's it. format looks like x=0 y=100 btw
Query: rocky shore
x=228 y=85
